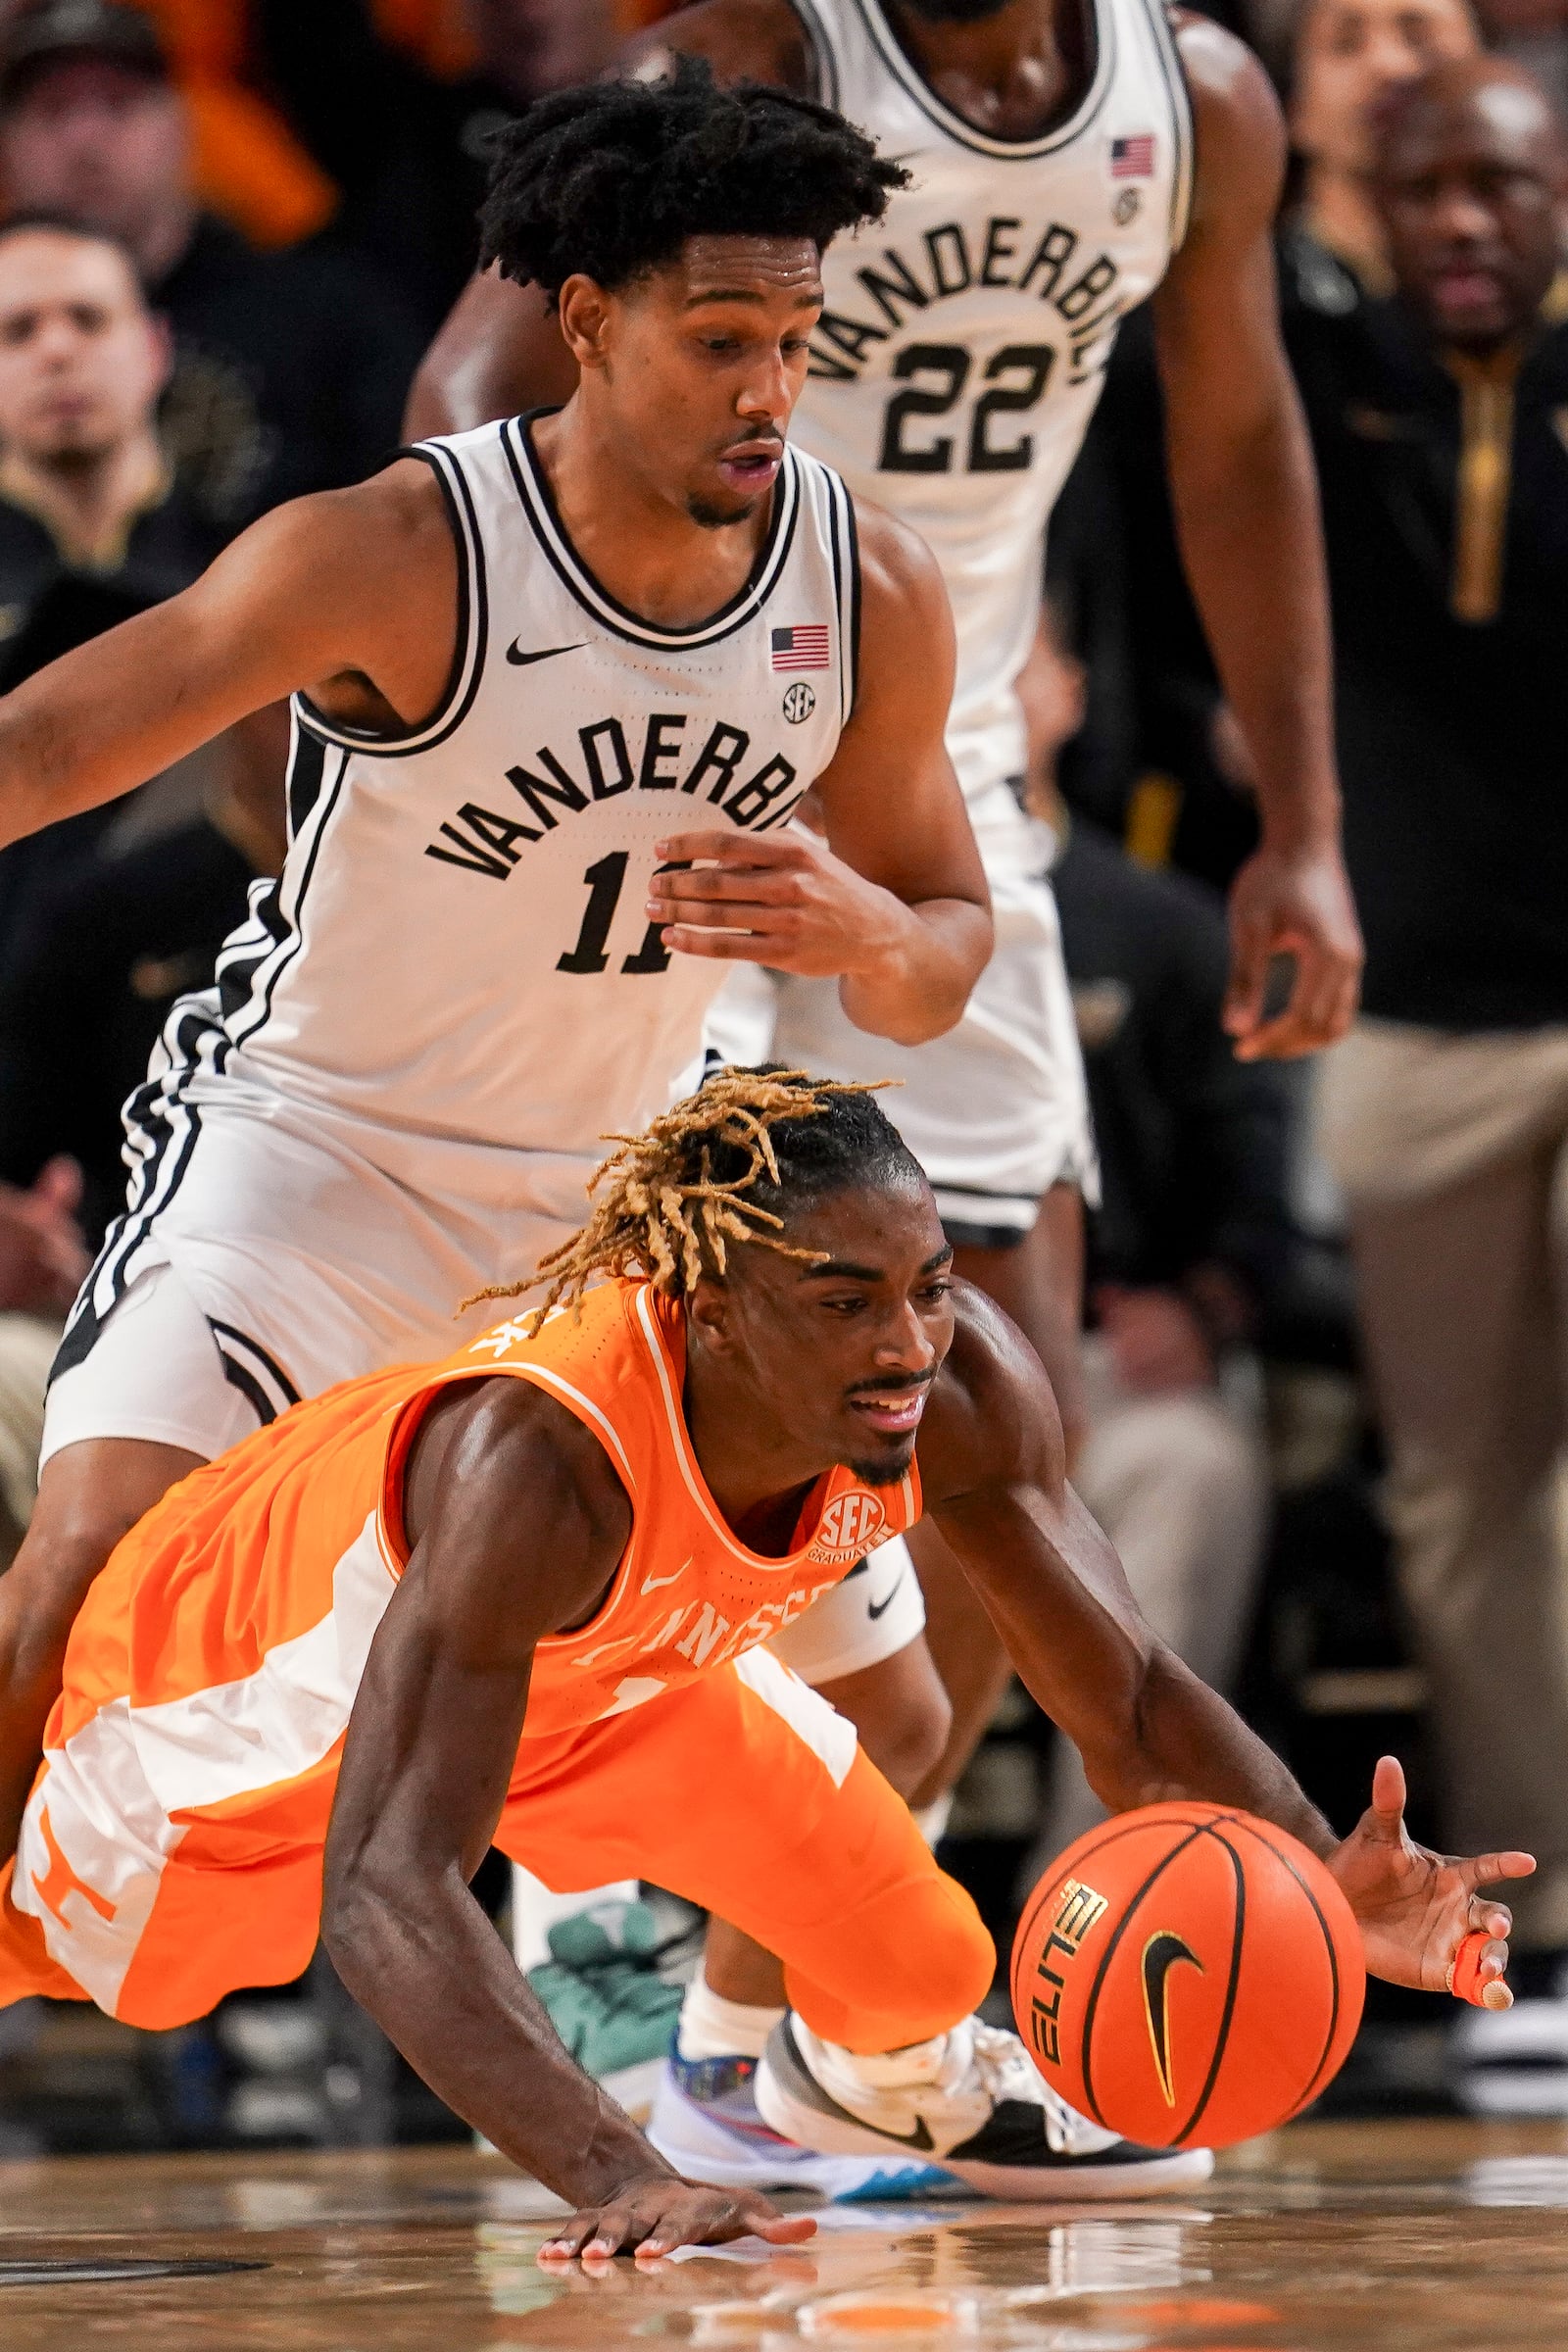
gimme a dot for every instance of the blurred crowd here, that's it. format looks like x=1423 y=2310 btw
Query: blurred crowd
x=1327 y=1352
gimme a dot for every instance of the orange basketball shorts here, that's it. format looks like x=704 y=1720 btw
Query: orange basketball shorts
x=743 y=1791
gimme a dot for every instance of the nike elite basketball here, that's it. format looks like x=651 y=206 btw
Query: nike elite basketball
x=1188 y=1976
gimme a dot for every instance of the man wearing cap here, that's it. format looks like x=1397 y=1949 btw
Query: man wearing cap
x=290 y=368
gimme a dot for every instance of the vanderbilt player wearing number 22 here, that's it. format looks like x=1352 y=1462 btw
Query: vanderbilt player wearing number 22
x=953 y=372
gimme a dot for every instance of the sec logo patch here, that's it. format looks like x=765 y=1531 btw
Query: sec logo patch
x=800 y=701
x=850 y=1526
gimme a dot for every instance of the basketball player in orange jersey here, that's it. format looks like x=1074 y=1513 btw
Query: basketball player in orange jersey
x=519 y=1597
x=1066 y=160
x=538 y=671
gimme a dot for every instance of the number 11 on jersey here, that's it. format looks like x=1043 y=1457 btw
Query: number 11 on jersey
x=604 y=882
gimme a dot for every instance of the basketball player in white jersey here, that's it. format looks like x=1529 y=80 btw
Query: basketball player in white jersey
x=1066 y=158
x=537 y=671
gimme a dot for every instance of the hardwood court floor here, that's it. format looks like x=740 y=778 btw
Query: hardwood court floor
x=1402 y=2237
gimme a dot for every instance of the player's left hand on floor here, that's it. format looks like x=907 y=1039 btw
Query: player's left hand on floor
x=1417 y=1910
x=658 y=2212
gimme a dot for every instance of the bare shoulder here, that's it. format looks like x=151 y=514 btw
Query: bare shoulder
x=1239 y=125
x=901 y=582
x=993 y=1418
x=743 y=40
x=526 y=1491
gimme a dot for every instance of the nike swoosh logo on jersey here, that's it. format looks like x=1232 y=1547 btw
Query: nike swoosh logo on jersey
x=657 y=1583
x=879 y=1608
x=515 y=654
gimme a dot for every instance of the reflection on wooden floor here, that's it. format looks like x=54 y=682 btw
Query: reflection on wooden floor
x=1402 y=2237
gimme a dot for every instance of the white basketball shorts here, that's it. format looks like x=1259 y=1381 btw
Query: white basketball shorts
x=280 y=1266
x=996 y=1111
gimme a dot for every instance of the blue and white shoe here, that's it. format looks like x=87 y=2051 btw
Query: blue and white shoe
x=705 y=2124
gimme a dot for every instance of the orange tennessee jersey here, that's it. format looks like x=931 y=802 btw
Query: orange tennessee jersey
x=688 y=1595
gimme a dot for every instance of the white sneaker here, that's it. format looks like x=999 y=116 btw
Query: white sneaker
x=705 y=2123
x=971 y=2102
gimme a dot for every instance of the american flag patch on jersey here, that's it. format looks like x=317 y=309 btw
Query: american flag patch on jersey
x=1132 y=157
x=804 y=647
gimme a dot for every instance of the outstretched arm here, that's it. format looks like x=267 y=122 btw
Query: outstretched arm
x=1148 y=1730
x=1245 y=500
x=518 y=1522
x=352 y=594
x=895 y=903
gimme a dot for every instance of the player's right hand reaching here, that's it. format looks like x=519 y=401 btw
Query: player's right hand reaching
x=654 y=2213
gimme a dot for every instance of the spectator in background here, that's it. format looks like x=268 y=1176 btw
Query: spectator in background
x=104 y=917
x=1438 y=419
x=93 y=527
x=1350 y=56
x=290 y=368
x=1191 y=1238
x=408 y=149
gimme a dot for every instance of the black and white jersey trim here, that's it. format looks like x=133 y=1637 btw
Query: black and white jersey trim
x=473 y=629
x=539 y=506
x=826 y=66
x=1181 y=118
x=902 y=71
x=259 y=1376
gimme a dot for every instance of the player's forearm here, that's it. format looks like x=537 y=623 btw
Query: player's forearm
x=428 y=1965
x=1182 y=1740
x=918 y=982
x=1247 y=518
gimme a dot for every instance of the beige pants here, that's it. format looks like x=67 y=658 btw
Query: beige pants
x=27 y=1344
x=1452 y=1151
x=1180 y=1485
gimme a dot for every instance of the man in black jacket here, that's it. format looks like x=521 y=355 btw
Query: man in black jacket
x=1439 y=423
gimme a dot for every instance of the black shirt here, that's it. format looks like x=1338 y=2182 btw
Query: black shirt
x=1445 y=506
x=48 y=606
x=291 y=370
x=1193 y=1144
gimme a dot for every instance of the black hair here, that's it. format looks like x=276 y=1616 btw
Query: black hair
x=728 y=1164
x=611 y=179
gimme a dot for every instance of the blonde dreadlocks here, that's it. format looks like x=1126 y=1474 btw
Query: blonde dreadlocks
x=681 y=1188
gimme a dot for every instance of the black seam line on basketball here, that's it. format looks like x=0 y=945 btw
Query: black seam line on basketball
x=968 y=135
x=1228 y=2012
x=291 y=947
x=1050 y=1886
x=1109 y=1953
x=250 y=1387
x=469 y=644
x=269 y=1363
x=749 y=602
x=1333 y=1963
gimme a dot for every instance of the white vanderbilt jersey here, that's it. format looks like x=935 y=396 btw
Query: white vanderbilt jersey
x=963 y=341
x=456 y=965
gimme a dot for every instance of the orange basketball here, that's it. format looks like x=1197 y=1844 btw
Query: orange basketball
x=1188 y=1976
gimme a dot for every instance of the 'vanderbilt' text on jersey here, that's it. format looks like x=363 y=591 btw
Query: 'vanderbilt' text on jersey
x=964 y=340
x=456 y=964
